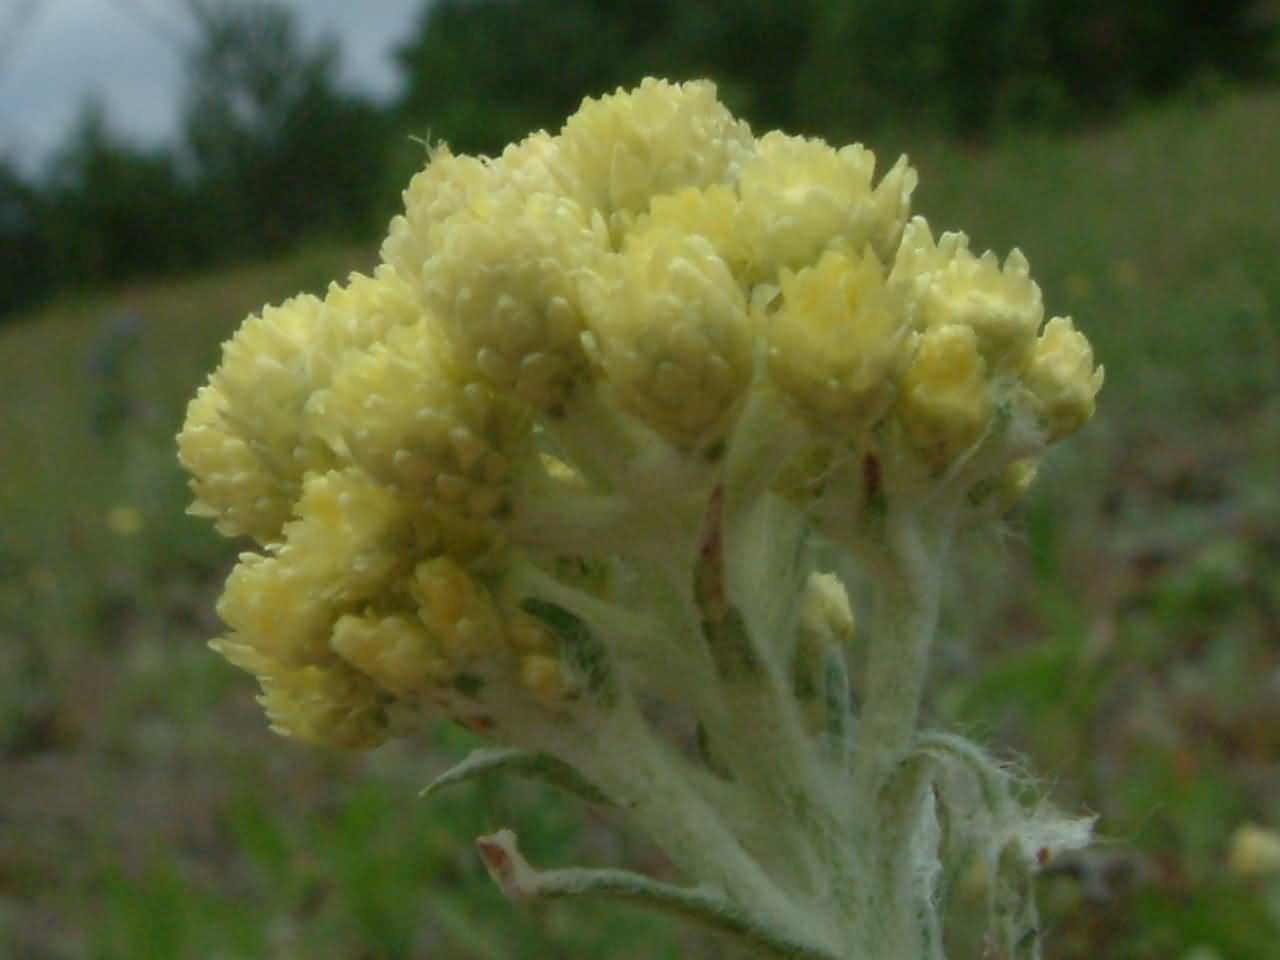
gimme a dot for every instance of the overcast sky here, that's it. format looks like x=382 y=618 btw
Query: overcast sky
x=54 y=53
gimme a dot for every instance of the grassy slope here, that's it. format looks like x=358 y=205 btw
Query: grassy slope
x=144 y=812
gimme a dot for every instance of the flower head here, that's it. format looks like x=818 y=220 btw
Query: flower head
x=946 y=399
x=485 y=477
x=596 y=459
x=801 y=196
x=835 y=341
x=670 y=328
x=625 y=148
x=1061 y=379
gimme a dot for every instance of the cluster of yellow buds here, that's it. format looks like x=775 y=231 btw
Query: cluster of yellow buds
x=577 y=443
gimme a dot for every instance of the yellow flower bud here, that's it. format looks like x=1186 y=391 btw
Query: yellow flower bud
x=835 y=343
x=657 y=138
x=945 y=402
x=546 y=678
x=799 y=196
x=671 y=331
x=826 y=618
x=1061 y=379
x=536 y=165
x=341 y=551
x=949 y=286
x=395 y=651
x=528 y=634
x=245 y=441
x=456 y=609
x=826 y=627
x=502 y=284
x=405 y=414
x=712 y=213
x=329 y=705
x=273 y=615
x=232 y=484
x=1255 y=852
x=1006 y=490
x=447 y=184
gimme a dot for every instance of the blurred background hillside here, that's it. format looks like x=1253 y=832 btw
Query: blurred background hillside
x=1123 y=635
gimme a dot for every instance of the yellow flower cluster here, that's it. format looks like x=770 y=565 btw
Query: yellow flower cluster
x=669 y=325
x=654 y=261
x=835 y=340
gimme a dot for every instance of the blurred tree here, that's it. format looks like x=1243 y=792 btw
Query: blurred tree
x=481 y=73
x=110 y=210
x=969 y=64
x=273 y=151
x=279 y=149
x=25 y=271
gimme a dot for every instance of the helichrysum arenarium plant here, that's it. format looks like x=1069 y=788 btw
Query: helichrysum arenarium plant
x=593 y=463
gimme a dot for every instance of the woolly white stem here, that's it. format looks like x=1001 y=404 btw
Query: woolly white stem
x=635 y=769
x=904 y=617
x=889 y=909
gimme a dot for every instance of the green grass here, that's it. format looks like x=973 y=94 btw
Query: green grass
x=1122 y=636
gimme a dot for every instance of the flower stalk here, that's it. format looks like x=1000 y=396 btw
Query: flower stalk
x=904 y=617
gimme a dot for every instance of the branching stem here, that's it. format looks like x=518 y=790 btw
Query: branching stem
x=518 y=880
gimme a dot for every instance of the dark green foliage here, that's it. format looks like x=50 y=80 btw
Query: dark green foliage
x=114 y=210
x=580 y=648
x=273 y=150
x=279 y=151
x=969 y=65
x=105 y=211
x=25 y=268
x=482 y=73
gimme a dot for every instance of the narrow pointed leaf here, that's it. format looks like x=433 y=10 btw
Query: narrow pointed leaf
x=533 y=766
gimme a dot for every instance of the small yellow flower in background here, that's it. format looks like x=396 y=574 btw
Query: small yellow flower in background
x=612 y=434
x=1125 y=273
x=1079 y=287
x=1254 y=851
x=124 y=521
x=42 y=579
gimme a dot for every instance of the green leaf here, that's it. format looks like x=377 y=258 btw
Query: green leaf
x=581 y=648
x=525 y=763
